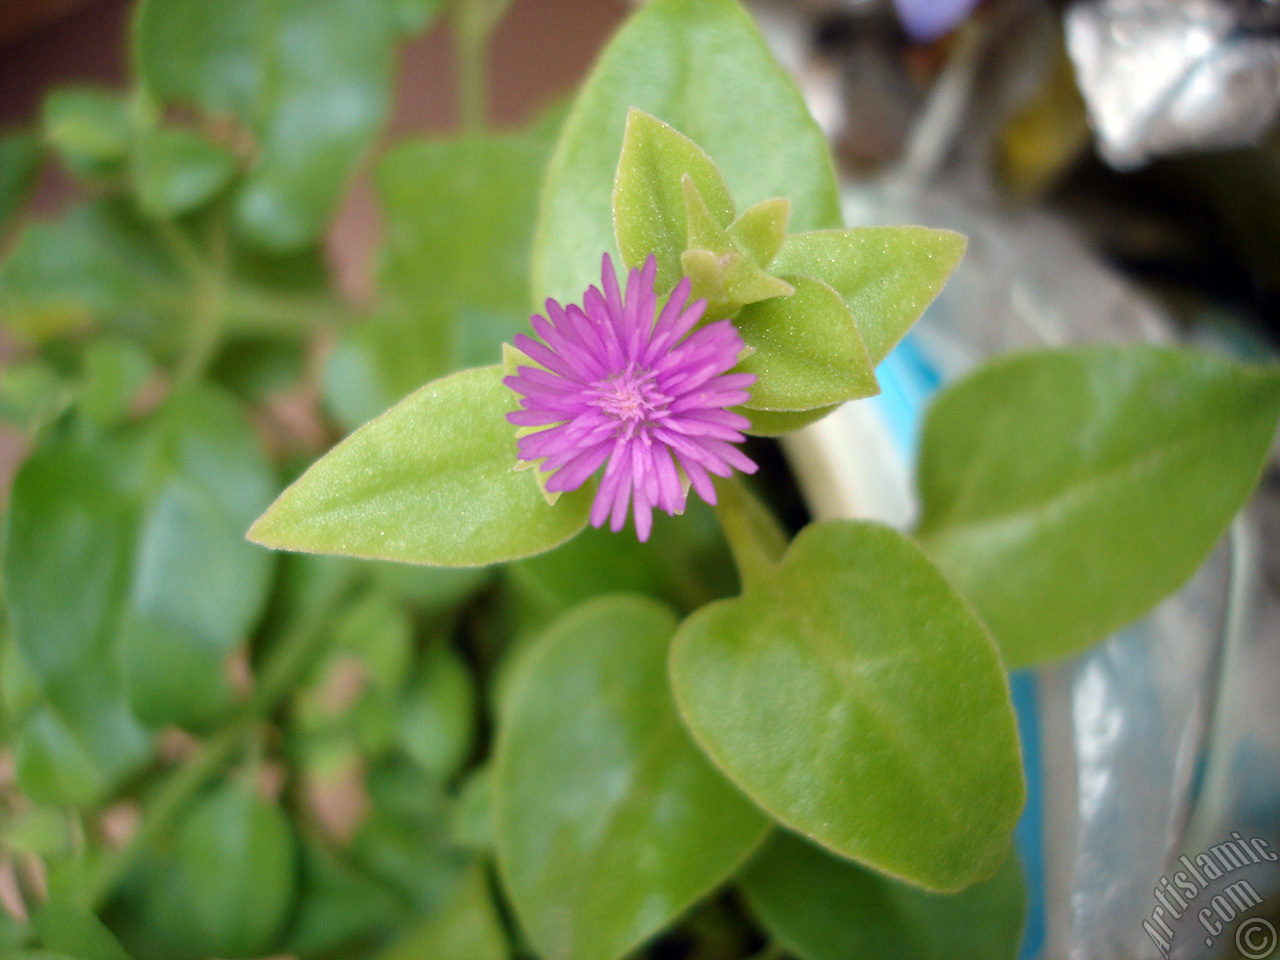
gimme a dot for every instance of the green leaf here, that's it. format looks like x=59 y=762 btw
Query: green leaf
x=438 y=717
x=822 y=908
x=854 y=696
x=416 y=16
x=466 y=927
x=114 y=371
x=177 y=171
x=55 y=767
x=238 y=852
x=592 y=771
x=807 y=350
x=90 y=127
x=887 y=275
x=197 y=587
x=774 y=423
x=471 y=825
x=761 y=229
x=98 y=262
x=1066 y=492
x=70 y=929
x=33 y=395
x=71 y=521
x=429 y=481
x=702 y=67
x=19 y=165
x=312 y=78
x=648 y=196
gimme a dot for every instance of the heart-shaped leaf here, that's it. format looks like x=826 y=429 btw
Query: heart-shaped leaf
x=1067 y=491
x=824 y=908
x=853 y=694
x=807 y=350
x=609 y=821
x=432 y=480
x=702 y=67
x=887 y=275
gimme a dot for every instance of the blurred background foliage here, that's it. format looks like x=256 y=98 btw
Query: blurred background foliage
x=211 y=750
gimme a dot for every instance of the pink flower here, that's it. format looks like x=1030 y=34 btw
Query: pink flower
x=644 y=398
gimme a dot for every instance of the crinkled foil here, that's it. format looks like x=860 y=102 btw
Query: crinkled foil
x=1165 y=76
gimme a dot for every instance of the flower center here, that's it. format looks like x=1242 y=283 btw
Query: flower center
x=631 y=397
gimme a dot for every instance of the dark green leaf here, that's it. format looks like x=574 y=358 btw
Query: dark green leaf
x=430 y=481
x=312 y=78
x=887 y=275
x=1066 y=492
x=702 y=67
x=823 y=908
x=592 y=771
x=774 y=423
x=98 y=262
x=438 y=718
x=19 y=165
x=854 y=695
x=239 y=855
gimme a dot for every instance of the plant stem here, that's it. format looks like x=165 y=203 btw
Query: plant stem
x=755 y=538
x=295 y=650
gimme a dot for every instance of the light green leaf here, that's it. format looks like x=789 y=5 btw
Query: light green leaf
x=312 y=78
x=648 y=199
x=822 y=908
x=19 y=165
x=702 y=67
x=807 y=350
x=466 y=927
x=853 y=695
x=432 y=480
x=471 y=825
x=239 y=855
x=762 y=228
x=887 y=275
x=1066 y=492
x=592 y=772
x=416 y=16
x=33 y=395
x=55 y=767
x=90 y=127
x=176 y=171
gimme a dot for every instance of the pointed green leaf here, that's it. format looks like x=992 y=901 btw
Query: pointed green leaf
x=702 y=67
x=855 y=696
x=887 y=275
x=762 y=228
x=177 y=171
x=593 y=771
x=807 y=350
x=649 y=198
x=432 y=481
x=820 y=907
x=1067 y=491
x=72 y=930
